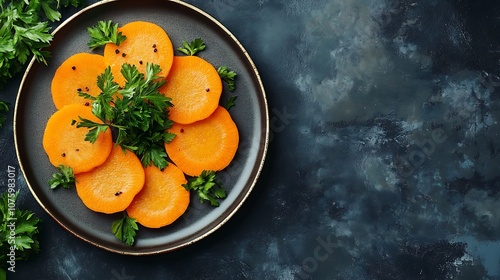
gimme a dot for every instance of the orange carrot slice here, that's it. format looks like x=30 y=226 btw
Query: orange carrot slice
x=111 y=187
x=163 y=198
x=77 y=73
x=209 y=144
x=65 y=144
x=195 y=88
x=146 y=43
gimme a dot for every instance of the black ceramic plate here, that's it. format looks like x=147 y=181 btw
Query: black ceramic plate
x=182 y=22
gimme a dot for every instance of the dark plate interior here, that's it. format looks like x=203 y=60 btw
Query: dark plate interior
x=182 y=22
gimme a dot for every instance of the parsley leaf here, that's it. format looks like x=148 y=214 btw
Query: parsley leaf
x=94 y=129
x=139 y=113
x=18 y=229
x=101 y=107
x=104 y=32
x=192 y=48
x=206 y=187
x=125 y=229
x=228 y=76
x=230 y=102
x=64 y=178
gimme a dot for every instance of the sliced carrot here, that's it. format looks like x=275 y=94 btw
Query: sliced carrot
x=65 y=144
x=163 y=198
x=77 y=73
x=209 y=144
x=195 y=88
x=111 y=187
x=146 y=43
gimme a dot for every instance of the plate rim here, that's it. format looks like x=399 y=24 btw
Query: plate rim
x=263 y=147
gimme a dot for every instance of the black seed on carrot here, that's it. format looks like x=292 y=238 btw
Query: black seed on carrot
x=124 y=54
x=86 y=104
x=207 y=90
x=154 y=46
x=182 y=130
x=117 y=51
x=78 y=89
x=118 y=193
x=77 y=149
x=63 y=154
x=155 y=50
x=140 y=62
x=73 y=67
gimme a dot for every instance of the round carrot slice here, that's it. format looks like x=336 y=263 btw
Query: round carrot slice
x=65 y=144
x=163 y=198
x=111 y=187
x=209 y=144
x=195 y=88
x=77 y=73
x=146 y=43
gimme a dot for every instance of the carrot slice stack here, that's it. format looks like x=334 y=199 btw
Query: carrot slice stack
x=209 y=144
x=111 y=187
x=65 y=144
x=195 y=88
x=163 y=198
x=77 y=73
x=146 y=43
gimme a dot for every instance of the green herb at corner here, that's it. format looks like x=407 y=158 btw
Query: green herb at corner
x=18 y=232
x=25 y=31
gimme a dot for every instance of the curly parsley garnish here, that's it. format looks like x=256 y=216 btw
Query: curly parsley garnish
x=192 y=48
x=139 y=112
x=104 y=32
x=64 y=178
x=18 y=231
x=206 y=187
x=228 y=76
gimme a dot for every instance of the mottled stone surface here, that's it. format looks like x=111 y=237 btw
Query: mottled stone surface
x=384 y=156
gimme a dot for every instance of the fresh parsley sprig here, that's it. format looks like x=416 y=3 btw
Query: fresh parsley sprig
x=25 y=238
x=228 y=76
x=125 y=229
x=206 y=187
x=64 y=178
x=230 y=102
x=192 y=48
x=139 y=112
x=25 y=31
x=104 y=32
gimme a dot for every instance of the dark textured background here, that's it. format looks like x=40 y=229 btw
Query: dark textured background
x=383 y=161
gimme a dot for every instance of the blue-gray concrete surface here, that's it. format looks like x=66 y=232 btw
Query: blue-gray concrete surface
x=384 y=154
